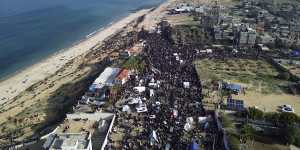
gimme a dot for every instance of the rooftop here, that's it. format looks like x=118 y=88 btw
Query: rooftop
x=77 y=126
x=123 y=74
x=71 y=141
x=80 y=131
x=107 y=76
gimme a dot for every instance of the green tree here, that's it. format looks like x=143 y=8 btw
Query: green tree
x=234 y=142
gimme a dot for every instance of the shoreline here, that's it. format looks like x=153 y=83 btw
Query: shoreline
x=61 y=50
x=12 y=85
x=41 y=97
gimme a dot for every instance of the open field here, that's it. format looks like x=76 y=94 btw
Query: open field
x=181 y=19
x=263 y=88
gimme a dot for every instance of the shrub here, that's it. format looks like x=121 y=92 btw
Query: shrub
x=255 y=113
x=225 y=120
x=272 y=117
x=247 y=132
x=284 y=76
x=234 y=142
x=283 y=118
x=241 y=114
x=288 y=118
x=291 y=134
x=297 y=138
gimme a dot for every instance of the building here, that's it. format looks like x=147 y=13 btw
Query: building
x=70 y=141
x=97 y=97
x=243 y=38
x=251 y=37
x=122 y=77
x=218 y=33
x=81 y=131
x=107 y=77
x=98 y=92
x=246 y=36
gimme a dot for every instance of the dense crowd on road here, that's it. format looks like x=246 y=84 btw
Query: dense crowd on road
x=172 y=96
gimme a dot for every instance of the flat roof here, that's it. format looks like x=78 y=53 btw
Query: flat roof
x=107 y=76
x=77 y=126
x=123 y=74
x=71 y=141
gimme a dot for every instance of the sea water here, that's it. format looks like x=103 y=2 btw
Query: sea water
x=31 y=30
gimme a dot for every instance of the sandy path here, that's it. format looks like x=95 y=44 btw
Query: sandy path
x=14 y=85
x=156 y=15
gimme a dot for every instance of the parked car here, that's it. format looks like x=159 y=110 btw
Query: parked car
x=287 y=108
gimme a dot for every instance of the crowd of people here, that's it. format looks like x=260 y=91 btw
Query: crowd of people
x=175 y=117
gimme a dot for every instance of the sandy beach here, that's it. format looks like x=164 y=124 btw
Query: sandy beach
x=34 y=94
x=14 y=85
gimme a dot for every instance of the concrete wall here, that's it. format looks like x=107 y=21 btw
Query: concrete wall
x=108 y=132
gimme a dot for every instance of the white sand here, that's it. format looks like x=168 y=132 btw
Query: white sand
x=14 y=85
